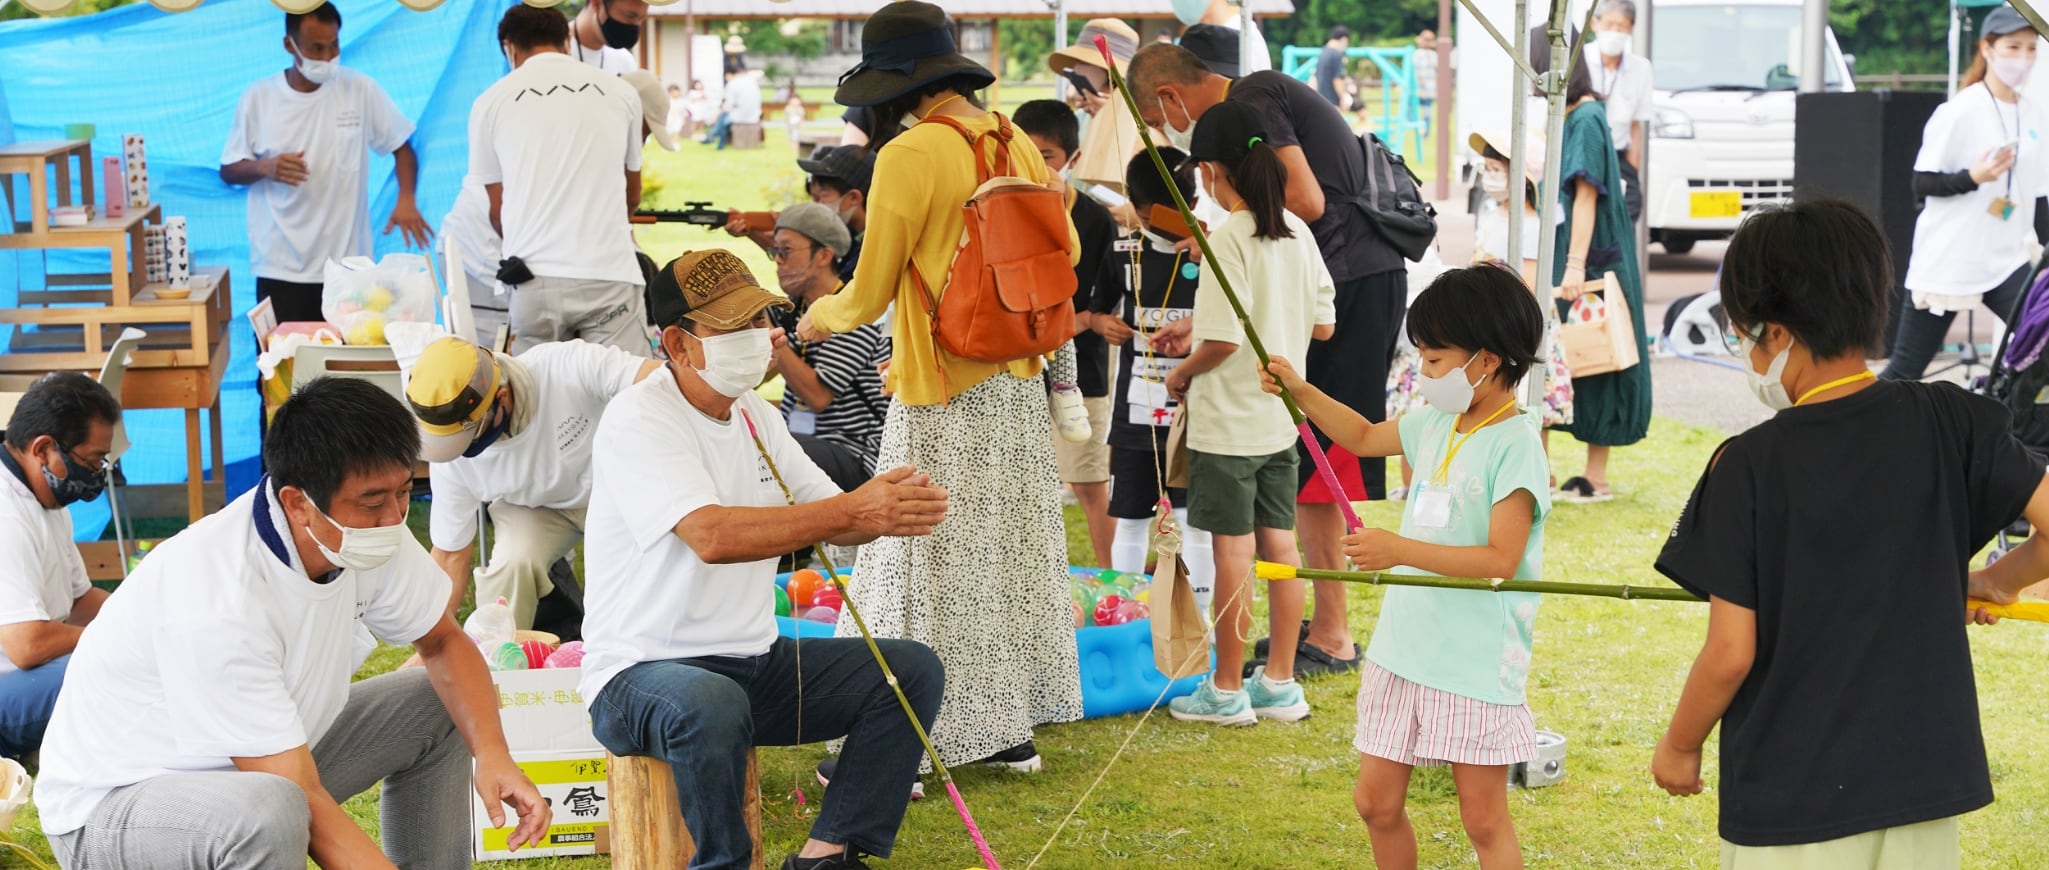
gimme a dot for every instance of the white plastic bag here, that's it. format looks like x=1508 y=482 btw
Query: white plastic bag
x=361 y=297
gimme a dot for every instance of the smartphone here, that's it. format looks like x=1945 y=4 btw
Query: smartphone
x=2011 y=147
x=1081 y=82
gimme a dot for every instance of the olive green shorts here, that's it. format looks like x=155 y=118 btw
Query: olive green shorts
x=1232 y=495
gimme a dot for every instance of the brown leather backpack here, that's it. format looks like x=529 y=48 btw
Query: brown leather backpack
x=1007 y=296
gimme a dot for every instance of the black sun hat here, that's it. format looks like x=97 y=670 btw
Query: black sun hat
x=905 y=46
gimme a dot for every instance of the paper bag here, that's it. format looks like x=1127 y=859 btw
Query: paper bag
x=1598 y=335
x=1180 y=636
x=1177 y=449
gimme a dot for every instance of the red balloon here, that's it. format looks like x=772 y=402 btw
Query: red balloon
x=826 y=596
x=804 y=586
x=1109 y=610
x=537 y=652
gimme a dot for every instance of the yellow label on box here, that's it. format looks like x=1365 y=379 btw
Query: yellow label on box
x=558 y=772
x=1716 y=204
x=558 y=836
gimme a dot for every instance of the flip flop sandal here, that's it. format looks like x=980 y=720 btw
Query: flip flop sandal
x=1263 y=647
x=1313 y=662
x=1579 y=490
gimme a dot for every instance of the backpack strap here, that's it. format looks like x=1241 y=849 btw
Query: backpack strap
x=1002 y=134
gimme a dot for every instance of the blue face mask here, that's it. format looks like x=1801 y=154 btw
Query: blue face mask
x=492 y=432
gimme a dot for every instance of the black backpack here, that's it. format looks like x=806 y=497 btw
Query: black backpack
x=1393 y=200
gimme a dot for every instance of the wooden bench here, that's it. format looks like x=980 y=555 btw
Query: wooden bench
x=647 y=824
x=746 y=135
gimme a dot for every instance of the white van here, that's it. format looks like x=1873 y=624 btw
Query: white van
x=1726 y=73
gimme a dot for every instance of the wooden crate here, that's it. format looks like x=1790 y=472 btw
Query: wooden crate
x=182 y=332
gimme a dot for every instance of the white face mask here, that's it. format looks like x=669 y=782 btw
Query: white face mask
x=1177 y=137
x=1494 y=182
x=1159 y=243
x=1769 y=387
x=318 y=72
x=2012 y=71
x=1450 y=392
x=361 y=549
x=1611 y=43
x=736 y=362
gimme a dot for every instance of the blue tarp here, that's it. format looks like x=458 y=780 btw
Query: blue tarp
x=175 y=79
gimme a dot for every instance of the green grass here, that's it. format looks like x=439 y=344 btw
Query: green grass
x=1606 y=674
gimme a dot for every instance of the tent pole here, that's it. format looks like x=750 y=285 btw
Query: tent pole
x=1442 y=88
x=1813 y=46
x=1518 y=152
x=1555 y=81
x=2027 y=10
x=1059 y=42
x=1954 y=45
x=1521 y=63
x=1245 y=44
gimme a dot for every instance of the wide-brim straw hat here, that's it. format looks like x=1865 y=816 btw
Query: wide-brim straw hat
x=1122 y=39
x=905 y=46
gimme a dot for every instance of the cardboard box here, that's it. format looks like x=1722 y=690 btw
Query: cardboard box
x=550 y=737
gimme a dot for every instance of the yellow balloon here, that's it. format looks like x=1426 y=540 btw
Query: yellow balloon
x=367 y=329
x=378 y=299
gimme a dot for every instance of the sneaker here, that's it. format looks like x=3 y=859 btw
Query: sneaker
x=826 y=768
x=1022 y=758
x=1069 y=414
x=1210 y=704
x=1282 y=701
x=848 y=860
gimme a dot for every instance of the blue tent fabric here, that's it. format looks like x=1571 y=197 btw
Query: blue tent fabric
x=175 y=79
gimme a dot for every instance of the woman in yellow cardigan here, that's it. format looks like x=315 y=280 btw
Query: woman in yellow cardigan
x=988 y=589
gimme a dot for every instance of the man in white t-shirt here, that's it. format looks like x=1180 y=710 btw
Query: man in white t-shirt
x=1623 y=80
x=56 y=448
x=301 y=142
x=208 y=718
x=556 y=145
x=605 y=32
x=515 y=434
x=687 y=518
x=742 y=105
x=468 y=225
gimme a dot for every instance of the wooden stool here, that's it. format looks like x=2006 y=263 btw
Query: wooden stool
x=647 y=824
x=746 y=135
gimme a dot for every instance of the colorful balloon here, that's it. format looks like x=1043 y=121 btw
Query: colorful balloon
x=506 y=656
x=1109 y=610
x=568 y=655
x=804 y=586
x=822 y=614
x=782 y=602
x=1079 y=620
x=827 y=596
x=537 y=652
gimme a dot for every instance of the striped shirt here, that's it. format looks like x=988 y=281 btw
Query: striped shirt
x=846 y=364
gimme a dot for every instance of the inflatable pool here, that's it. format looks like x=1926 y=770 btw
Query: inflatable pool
x=1117 y=673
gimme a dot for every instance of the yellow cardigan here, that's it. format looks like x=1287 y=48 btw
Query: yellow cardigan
x=922 y=178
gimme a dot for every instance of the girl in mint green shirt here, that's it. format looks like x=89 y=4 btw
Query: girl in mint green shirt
x=1443 y=681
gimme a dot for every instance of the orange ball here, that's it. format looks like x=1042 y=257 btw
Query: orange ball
x=804 y=586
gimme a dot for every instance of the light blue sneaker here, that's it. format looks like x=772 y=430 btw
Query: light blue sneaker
x=1209 y=704
x=1282 y=701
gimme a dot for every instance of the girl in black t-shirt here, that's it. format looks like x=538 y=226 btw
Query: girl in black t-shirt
x=1834 y=544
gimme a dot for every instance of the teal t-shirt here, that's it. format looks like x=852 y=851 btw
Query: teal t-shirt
x=1467 y=642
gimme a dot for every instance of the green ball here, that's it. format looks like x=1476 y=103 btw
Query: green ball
x=782 y=602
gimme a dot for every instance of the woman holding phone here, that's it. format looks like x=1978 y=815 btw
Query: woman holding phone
x=1981 y=170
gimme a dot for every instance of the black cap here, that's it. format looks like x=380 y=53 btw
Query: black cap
x=852 y=164
x=1341 y=32
x=1226 y=132
x=1215 y=45
x=2003 y=21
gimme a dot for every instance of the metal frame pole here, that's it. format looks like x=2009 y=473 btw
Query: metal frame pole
x=1813 y=46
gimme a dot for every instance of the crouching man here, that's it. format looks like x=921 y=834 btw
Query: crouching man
x=208 y=721
x=682 y=661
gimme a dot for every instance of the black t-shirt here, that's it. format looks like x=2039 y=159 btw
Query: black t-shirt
x=1848 y=527
x=1165 y=293
x=853 y=258
x=1352 y=247
x=863 y=119
x=1098 y=234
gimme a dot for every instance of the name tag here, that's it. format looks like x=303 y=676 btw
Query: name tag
x=1128 y=245
x=1433 y=506
x=803 y=422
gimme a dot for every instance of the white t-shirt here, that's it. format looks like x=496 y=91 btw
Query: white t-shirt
x=468 y=228
x=1490 y=234
x=1287 y=293
x=743 y=99
x=1625 y=92
x=41 y=573
x=549 y=132
x=615 y=61
x=294 y=231
x=658 y=459
x=1960 y=249
x=549 y=464
x=217 y=648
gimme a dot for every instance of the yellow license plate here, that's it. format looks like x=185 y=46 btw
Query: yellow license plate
x=1716 y=204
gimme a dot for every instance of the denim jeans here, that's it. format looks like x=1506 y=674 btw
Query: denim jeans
x=27 y=698
x=701 y=714
x=721 y=130
x=1921 y=332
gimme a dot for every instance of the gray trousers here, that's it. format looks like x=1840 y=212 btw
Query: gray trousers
x=393 y=729
x=600 y=312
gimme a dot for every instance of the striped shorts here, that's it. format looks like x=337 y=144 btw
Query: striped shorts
x=1413 y=724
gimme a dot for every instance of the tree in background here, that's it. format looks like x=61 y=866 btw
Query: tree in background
x=1891 y=36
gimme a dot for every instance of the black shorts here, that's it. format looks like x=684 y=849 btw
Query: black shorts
x=1135 y=482
x=1352 y=368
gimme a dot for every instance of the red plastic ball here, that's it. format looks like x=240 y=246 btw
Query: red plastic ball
x=1109 y=610
x=827 y=596
x=537 y=652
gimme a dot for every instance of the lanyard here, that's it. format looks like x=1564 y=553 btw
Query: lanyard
x=1453 y=443
x=1860 y=376
x=2001 y=116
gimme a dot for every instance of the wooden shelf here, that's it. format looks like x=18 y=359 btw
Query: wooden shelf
x=182 y=332
x=39 y=161
x=23 y=156
x=121 y=238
